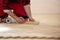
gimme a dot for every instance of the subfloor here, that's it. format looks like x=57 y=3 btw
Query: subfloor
x=47 y=29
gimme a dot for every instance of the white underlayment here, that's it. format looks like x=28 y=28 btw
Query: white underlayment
x=14 y=32
x=4 y=28
x=3 y=32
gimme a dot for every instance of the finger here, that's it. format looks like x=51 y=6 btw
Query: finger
x=22 y=18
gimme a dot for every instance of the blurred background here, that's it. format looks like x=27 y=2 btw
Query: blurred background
x=45 y=6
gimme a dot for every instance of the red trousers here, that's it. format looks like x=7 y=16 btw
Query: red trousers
x=17 y=7
x=2 y=14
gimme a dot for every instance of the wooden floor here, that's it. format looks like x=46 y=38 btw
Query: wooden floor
x=48 y=29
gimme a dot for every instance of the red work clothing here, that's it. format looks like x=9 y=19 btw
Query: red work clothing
x=2 y=14
x=18 y=6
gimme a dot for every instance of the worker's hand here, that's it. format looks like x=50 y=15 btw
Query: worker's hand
x=31 y=19
x=7 y=11
x=20 y=19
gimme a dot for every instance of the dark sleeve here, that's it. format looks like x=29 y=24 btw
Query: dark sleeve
x=26 y=2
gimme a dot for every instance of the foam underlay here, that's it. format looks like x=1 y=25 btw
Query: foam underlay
x=24 y=30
